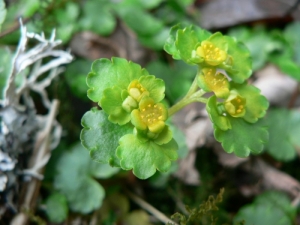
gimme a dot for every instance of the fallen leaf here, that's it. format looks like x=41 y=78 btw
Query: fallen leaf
x=276 y=86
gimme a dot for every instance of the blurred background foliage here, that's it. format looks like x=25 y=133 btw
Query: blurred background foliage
x=262 y=189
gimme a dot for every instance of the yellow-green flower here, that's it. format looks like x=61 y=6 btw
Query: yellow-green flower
x=211 y=80
x=235 y=105
x=149 y=115
x=211 y=54
x=136 y=92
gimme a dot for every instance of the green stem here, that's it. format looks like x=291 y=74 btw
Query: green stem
x=193 y=88
x=189 y=98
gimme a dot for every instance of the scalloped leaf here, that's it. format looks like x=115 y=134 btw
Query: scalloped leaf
x=243 y=138
x=140 y=20
x=170 y=46
x=57 y=208
x=145 y=157
x=241 y=68
x=256 y=104
x=183 y=40
x=73 y=179
x=284 y=130
x=112 y=104
x=75 y=76
x=220 y=121
x=101 y=137
x=186 y=42
x=156 y=41
x=105 y=74
x=268 y=208
x=95 y=11
x=155 y=86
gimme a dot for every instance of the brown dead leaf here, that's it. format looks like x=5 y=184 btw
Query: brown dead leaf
x=255 y=175
x=266 y=177
x=122 y=43
x=276 y=86
x=187 y=172
x=215 y=13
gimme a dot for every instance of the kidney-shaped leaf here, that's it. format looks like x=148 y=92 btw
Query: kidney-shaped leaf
x=74 y=180
x=284 y=130
x=105 y=74
x=145 y=157
x=243 y=138
x=101 y=137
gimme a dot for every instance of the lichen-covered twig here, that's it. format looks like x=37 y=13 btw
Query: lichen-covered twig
x=37 y=66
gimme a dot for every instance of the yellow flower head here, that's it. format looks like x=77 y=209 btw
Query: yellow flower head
x=150 y=115
x=235 y=105
x=211 y=54
x=211 y=80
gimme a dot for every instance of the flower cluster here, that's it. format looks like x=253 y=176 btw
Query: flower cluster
x=224 y=65
x=131 y=99
x=139 y=103
x=131 y=131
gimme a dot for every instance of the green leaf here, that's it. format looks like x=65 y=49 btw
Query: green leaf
x=75 y=75
x=102 y=171
x=155 y=87
x=145 y=157
x=155 y=41
x=243 y=138
x=97 y=17
x=101 y=137
x=105 y=74
x=287 y=66
x=170 y=46
x=256 y=104
x=66 y=19
x=241 y=67
x=5 y=67
x=284 y=130
x=219 y=120
x=87 y=197
x=74 y=180
x=118 y=103
x=145 y=4
x=186 y=42
x=268 y=208
x=112 y=104
x=140 y=21
x=57 y=208
x=292 y=35
x=259 y=42
x=2 y=12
